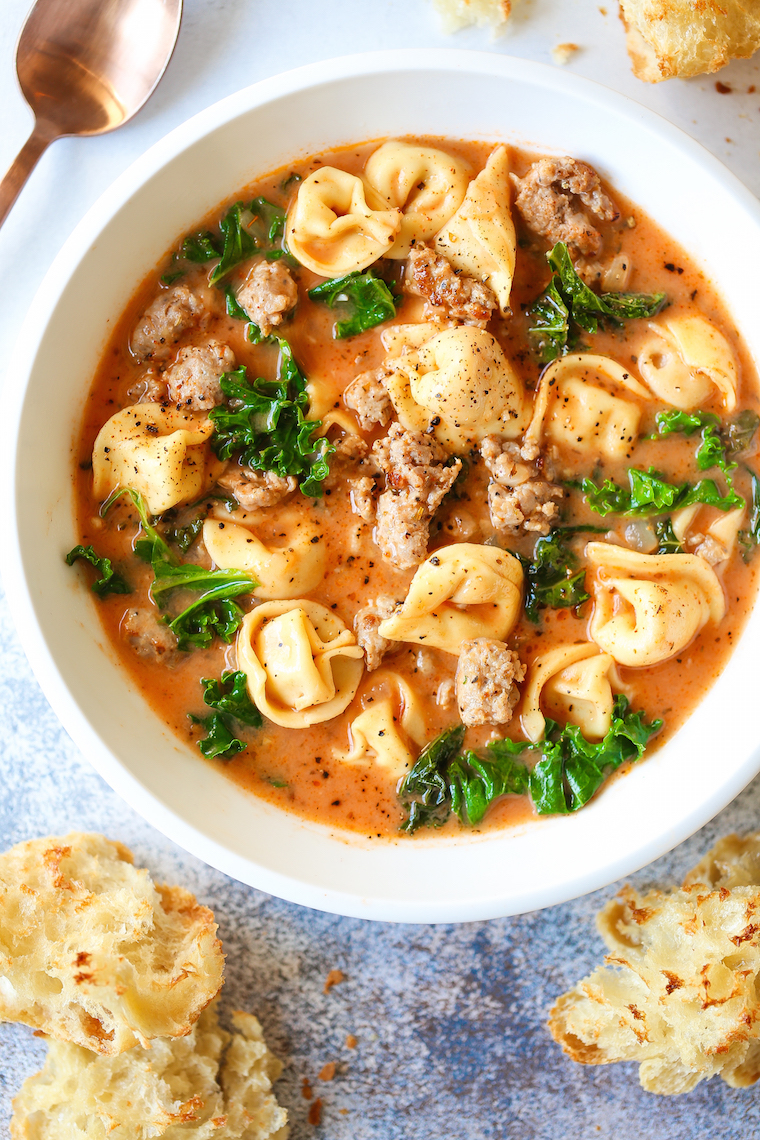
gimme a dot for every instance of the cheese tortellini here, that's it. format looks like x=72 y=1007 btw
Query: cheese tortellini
x=162 y=452
x=339 y=225
x=383 y=733
x=480 y=238
x=573 y=683
x=302 y=664
x=574 y=408
x=459 y=593
x=460 y=383
x=287 y=571
x=648 y=607
x=684 y=359
x=425 y=183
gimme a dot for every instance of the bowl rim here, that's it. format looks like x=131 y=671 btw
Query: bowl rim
x=56 y=280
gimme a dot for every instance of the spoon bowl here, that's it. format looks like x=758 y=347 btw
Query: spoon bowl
x=85 y=67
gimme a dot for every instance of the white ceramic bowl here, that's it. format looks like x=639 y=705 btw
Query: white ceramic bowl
x=454 y=93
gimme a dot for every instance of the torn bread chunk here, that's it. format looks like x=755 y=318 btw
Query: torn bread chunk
x=679 y=991
x=668 y=38
x=457 y=14
x=94 y=953
x=207 y=1084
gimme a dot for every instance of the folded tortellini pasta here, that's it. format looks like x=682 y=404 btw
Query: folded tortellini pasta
x=390 y=724
x=338 y=224
x=648 y=607
x=287 y=571
x=684 y=359
x=426 y=184
x=160 y=451
x=579 y=406
x=573 y=683
x=302 y=664
x=480 y=240
x=460 y=384
x=459 y=593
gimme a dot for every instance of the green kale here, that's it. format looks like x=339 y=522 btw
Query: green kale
x=200 y=247
x=267 y=425
x=549 y=577
x=185 y=536
x=213 y=612
x=667 y=542
x=239 y=244
x=425 y=791
x=269 y=222
x=569 y=771
x=567 y=301
x=230 y=696
x=170 y=278
x=233 y=306
x=109 y=581
x=750 y=538
x=739 y=433
x=650 y=494
x=367 y=299
x=219 y=742
x=292 y=180
x=711 y=451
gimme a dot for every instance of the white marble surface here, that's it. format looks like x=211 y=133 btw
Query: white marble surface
x=449 y=1019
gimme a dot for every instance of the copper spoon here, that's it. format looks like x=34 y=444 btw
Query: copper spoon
x=85 y=67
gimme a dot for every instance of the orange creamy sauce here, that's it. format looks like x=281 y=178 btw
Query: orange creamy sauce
x=295 y=768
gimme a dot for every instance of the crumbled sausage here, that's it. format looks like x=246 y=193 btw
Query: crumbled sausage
x=366 y=396
x=417 y=479
x=448 y=295
x=256 y=488
x=711 y=549
x=148 y=637
x=193 y=378
x=351 y=447
x=149 y=389
x=267 y=294
x=486 y=682
x=164 y=321
x=365 y=627
x=519 y=497
x=550 y=197
x=363 y=494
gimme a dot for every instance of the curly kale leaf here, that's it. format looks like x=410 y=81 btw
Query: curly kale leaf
x=229 y=698
x=567 y=303
x=109 y=581
x=570 y=769
x=551 y=578
x=649 y=494
x=367 y=299
x=667 y=541
x=214 y=612
x=267 y=425
x=239 y=244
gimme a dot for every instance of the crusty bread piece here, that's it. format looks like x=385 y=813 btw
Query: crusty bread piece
x=456 y=14
x=682 y=997
x=207 y=1084
x=667 y=38
x=732 y=862
x=92 y=952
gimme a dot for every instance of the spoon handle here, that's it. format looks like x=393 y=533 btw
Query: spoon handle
x=28 y=157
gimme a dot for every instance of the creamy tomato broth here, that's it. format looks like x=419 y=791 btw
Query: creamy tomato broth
x=456 y=553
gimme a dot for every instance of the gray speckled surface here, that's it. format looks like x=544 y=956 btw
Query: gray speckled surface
x=449 y=1019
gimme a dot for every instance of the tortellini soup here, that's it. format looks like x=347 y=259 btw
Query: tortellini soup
x=406 y=511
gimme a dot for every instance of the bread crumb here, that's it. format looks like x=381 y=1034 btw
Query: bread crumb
x=315 y=1113
x=563 y=53
x=351 y=1041
x=327 y=1072
x=334 y=978
x=306 y=1090
x=457 y=14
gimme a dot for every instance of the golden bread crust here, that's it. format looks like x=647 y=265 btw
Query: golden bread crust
x=92 y=952
x=667 y=38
